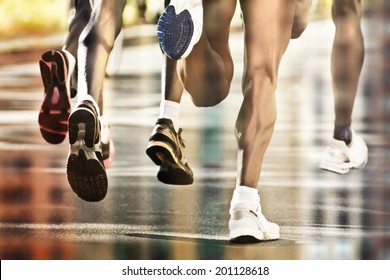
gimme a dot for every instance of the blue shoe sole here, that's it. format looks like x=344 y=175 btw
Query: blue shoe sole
x=175 y=32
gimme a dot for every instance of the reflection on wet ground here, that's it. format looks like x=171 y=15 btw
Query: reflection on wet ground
x=322 y=215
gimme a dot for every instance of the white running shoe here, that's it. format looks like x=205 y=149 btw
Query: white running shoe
x=107 y=145
x=340 y=157
x=179 y=27
x=248 y=226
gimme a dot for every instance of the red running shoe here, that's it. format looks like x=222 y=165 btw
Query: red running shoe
x=53 y=116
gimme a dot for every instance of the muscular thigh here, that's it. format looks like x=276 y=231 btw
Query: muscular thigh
x=268 y=25
x=108 y=12
x=218 y=15
x=113 y=6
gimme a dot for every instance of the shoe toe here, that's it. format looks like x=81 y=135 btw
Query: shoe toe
x=272 y=231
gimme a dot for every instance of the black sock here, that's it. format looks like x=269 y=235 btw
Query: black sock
x=343 y=132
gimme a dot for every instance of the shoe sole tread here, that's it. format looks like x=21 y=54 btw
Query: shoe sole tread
x=85 y=171
x=53 y=117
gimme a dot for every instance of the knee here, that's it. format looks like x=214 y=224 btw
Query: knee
x=95 y=34
x=92 y=37
x=260 y=77
x=102 y=29
x=347 y=34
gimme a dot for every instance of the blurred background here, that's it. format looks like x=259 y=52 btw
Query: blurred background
x=322 y=215
x=38 y=18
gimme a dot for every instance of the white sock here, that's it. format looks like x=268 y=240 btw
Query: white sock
x=170 y=110
x=245 y=198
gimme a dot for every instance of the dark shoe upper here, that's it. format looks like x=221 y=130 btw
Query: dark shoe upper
x=85 y=169
x=166 y=149
x=164 y=131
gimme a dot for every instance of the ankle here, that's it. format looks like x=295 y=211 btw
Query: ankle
x=343 y=133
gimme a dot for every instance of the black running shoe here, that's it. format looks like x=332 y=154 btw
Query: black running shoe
x=85 y=169
x=165 y=149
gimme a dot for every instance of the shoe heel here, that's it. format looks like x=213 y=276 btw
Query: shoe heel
x=156 y=153
x=58 y=65
x=55 y=108
x=47 y=80
x=82 y=127
x=362 y=165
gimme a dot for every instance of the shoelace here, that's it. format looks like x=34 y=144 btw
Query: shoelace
x=181 y=140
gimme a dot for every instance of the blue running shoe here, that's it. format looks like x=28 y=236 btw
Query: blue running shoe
x=179 y=27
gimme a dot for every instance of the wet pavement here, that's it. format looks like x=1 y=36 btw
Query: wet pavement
x=322 y=215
